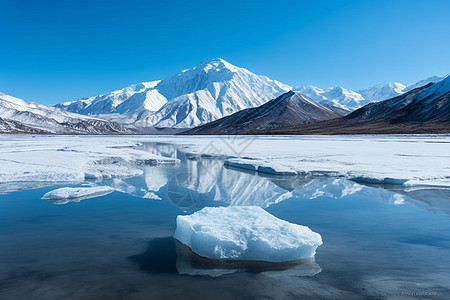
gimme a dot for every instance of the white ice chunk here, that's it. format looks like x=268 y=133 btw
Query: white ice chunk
x=245 y=233
x=66 y=194
x=260 y=166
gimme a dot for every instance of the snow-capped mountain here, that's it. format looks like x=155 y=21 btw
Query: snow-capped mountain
x=351 y=100
x=21 y=116
x=289 y=109
x=126 y=100
x=427 y=103
x=382 y=91
x=211 y=90
x=335 y=96
x=423 y=82
x=425 y=109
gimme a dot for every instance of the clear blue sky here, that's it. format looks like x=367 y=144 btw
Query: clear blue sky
x=54 y=51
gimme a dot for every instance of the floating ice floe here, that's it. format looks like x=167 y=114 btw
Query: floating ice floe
x=68 y=194
x=260 y=166
x=245 y=233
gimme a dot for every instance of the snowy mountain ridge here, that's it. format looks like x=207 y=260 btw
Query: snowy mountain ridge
x=18 y=115
x=351 y=100
x=211 y=90
x=426 y=103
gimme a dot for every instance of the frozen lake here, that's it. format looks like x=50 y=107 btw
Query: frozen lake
x=381 y=205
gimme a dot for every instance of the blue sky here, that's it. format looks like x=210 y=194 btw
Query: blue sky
x=54 y=51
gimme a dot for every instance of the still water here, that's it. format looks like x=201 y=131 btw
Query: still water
x=378 y=240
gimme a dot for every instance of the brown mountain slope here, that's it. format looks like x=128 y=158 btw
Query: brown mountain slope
x=289 y=109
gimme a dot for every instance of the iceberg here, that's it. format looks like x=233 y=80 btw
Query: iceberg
x=245 y=233
x=68 y=194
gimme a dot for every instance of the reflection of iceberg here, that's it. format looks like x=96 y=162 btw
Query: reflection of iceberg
x=190 y=263
x=159 y=257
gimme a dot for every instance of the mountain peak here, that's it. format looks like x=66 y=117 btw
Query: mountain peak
x=215 y=64
x=289 y=109
x=213 y=60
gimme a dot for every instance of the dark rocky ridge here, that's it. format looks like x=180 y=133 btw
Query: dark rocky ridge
x=424 y=110
x=289 y=109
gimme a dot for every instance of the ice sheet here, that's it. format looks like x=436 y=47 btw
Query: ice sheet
x=409 y=160
x=399 y=159
x=71 y=159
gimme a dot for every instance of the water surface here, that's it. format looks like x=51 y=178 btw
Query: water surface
x=377 y=239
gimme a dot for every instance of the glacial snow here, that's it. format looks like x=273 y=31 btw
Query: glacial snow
x=245 y=233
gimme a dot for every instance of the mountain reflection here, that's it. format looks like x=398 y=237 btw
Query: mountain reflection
x=206 y=182
x=202 y=182
x=199 y=182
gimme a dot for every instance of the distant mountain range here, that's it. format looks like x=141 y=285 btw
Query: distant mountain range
x=424 y=109
x=351 y=100
x=207 y=92
x=20 y=116
x=210 y=91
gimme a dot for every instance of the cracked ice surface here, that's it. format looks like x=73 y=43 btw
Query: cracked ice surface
x=398 y=159
x=71 y=158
